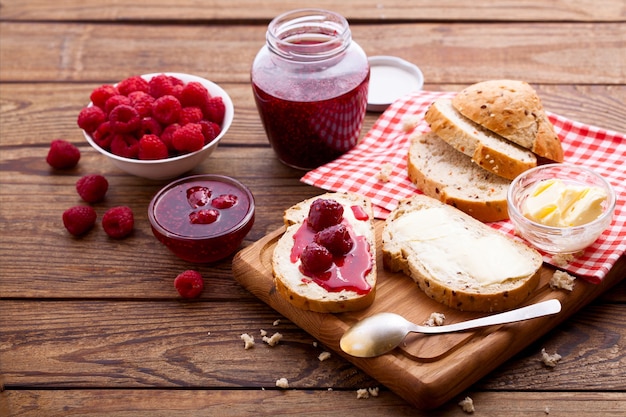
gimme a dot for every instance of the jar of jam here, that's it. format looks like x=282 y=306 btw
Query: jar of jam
x=310 y=83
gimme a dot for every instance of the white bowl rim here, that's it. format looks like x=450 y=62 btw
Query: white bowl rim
x=228 y=119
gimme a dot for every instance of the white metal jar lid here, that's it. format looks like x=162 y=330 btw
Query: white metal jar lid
x=390 y=79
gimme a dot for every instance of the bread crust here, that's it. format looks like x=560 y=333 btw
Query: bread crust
x=400 y=258
x=513 y=110
x=448 y=177
x=304 y=293
x=486 y=149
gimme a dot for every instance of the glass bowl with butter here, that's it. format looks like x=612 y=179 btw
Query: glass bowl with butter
x=560 y=208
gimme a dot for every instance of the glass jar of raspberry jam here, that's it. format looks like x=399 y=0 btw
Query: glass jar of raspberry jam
x=310 y=83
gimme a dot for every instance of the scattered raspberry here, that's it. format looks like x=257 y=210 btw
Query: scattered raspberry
x=204 y=216
x=115 y=101
x=100 y=95
x=336 y=239
x=79 y=220
x=190 y=115
x=132 y=84
x=90 y=118
x=189 y=284
x=188 y=138
x=215 y=110
x=92 y=188
x=324 y=213
x=151 y=147
x=194 y=94
x=118 y=222
x=142 y=102
x=124 y=119
x=62 y=154
x=315 y=258
x=126 y=146
x=224 y=201
x=166 y=109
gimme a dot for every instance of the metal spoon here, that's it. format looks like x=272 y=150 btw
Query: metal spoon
x=383 y=332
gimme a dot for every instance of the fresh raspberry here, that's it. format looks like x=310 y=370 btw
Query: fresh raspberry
x=79 y=220
x=124 y=119
x=190 y=115
x=118 y=222
x=90 y=118
x=188 y=138
x=166 y=109
x=124 y=145
x=103 y=135
x=115 y=101
x=215 y=110
x=151 y=147
x=149 y=126
x=164 y=85
x=194 y=94
x=324 y=213
x=189 y=284
x=62 y=154
x=210 y=130
x=142 y=102
x=100 y=95
x=167 y=136
x=92 y=188
x=132 y=84
x=336 y=239
x=204 y=216
x=315 y=258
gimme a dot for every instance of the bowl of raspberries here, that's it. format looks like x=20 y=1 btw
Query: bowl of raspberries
x=157 y=126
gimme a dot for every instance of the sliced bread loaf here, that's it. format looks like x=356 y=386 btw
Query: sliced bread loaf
x=349 y=283
x=457 y=260
x=487 y=149
x=511 y=109
x=442 y=172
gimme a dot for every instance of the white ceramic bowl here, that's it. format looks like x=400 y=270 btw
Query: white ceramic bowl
x=551 y=239
x=172 y=167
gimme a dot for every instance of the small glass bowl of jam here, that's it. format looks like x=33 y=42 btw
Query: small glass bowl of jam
x=202 y=218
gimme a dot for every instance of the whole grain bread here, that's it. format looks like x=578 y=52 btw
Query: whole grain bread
x=303 y=292
x=457 y=260
x=442 y=172
x=486 y=149
x=511 y=109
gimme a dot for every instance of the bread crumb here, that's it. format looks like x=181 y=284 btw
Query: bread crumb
x=467 y=405
x=548 y=359
x=276 y=322
x=315 y=344
x=562 y=280
x=385 y=172
x=282 y=383
x=373 y=391
x=263 y=333
x=410 y=123
x=435 y=319
x=547 y=410
x=362 y=393
x=273 y=341
x=248 y=341
x=323 y=356
x=563 y=259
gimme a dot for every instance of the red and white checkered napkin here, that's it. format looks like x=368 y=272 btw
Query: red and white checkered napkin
x=388 y=142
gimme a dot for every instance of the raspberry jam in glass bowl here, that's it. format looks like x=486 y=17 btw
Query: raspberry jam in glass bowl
x=202 y=218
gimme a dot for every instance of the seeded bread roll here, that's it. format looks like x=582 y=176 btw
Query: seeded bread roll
x=486 y=149
x=303 y=292
x=457 y=260
x=442 y=172
x=511 y=109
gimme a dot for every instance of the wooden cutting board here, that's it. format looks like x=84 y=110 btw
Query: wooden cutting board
x=427 y=370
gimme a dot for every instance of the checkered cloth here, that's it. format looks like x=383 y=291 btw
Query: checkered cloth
x=388 y=142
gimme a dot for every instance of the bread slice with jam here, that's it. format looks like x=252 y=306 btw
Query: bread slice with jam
x=337 y=224
x=457 y=260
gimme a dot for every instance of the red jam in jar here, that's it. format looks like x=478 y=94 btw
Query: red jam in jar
x=310 y=83
x=202 y=218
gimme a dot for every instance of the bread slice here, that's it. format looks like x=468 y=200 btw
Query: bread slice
x=457 y=260
x=301 y=290
x=511 y=109
x=442 y=172
x=487 y=149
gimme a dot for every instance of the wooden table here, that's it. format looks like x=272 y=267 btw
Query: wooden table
x=94 y=326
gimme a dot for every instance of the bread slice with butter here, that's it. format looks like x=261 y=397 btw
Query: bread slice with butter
x=353 y=285
x=486 y=149
x=457 y=260
x=442 y=172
